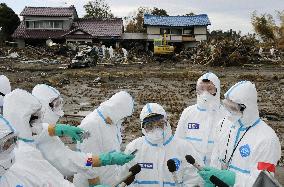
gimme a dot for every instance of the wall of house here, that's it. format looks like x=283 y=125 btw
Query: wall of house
x=67 y=21
x=200 y=30
x=153 y=30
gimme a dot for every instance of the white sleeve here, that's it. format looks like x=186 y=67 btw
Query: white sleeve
x=68 y=162
x=180 y=130
x=269 y=152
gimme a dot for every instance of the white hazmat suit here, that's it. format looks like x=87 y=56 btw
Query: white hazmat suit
x=245 y=144
x=198 y=122
x=5 y=88
x=104 y=125
x=153 y=153
x=30 y=168
x=66 y=161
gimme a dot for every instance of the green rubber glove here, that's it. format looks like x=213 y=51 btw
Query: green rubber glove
x=68 y=130
x=115 y=158
x=227 y=176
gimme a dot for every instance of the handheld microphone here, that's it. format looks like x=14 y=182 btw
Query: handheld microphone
x=215 y=180
x=172 y=168
x=218 y=182
x=191 y=160
x=132 y=172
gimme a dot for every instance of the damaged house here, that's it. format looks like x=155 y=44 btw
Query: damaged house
x=61 y=24
x=180 y=30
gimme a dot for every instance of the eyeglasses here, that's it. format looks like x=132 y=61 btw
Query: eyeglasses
x=206 y=86
x=154 y=121
x=56 y=103
x=233 y=107
x=7 y=142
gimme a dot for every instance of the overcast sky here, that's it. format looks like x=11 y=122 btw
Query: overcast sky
x=223 y=14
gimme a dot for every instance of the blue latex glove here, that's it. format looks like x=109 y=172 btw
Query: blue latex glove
x=227 y=176
x=101 y=185
x=113 y=158
x=68 y=130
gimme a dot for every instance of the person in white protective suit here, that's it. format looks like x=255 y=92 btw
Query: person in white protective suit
x=155 y=148
x=5 y=88
x=246 y=144
x=198 y=122
x=23 y=110
x=104 y=126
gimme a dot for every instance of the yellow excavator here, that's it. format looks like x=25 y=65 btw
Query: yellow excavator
x=161 y=47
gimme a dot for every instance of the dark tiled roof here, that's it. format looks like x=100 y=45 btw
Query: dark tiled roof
x=101 y=28
x=22 y=32
x=176 y=21
x=49 y=11
x=72 y=34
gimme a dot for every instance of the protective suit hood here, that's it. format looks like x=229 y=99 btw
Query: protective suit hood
x=244 y=92
x=215 y=101
x=154 y=108
x=19 y=105
x=119 y=106
x=5 y=87
x=46 y=94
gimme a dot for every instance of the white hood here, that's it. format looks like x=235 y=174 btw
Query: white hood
x=244 y=92
x=19 y=105
x=215 y=80
x=154 y=108
x=46 y=94
x=5 y=87
x=119 y=106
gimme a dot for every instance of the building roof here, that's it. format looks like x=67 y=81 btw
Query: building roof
x=23 y=33
x=50 y=11
x=177 y=21
x=92 y=28
x=101 y=27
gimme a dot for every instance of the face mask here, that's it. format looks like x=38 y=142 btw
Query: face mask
x=155 y=136
x=7 y=159
x=206 y=100
x=234 y=117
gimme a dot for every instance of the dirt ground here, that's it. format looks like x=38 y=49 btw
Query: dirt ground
x=171 y=85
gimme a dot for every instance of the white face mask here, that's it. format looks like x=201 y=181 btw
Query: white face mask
x=155 y=136
x=7 y=159
x=206 y=100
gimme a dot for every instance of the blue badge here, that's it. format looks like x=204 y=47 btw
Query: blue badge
x=193 y=126
x=245 y=150
x=177 y=162
x=146 y=165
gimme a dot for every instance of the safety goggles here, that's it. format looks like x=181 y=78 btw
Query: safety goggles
x=206 y=86
x=56 y=104
x=2 y=94
x=8 y=141
x=154 y=121
x=233 y=107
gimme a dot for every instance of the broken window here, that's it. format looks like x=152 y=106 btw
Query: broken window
x=176 y=31
x=58 y=24
x=188 y=31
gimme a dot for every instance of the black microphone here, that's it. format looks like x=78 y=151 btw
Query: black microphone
x=132 y=172
x=215 y=180
x=172 y=168
x=218 y=182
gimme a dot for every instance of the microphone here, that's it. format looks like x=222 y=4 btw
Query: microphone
x=218 y=182
x=172 y=168
x=132 y=172
x=191 y=160
x=215 y=180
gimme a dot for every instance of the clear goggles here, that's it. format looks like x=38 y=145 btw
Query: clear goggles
x=7 y=142
x=233 y=107
x=206 y=86
x=56 y=104
x=154 y=121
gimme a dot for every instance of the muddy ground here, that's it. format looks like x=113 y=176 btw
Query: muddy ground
x=172 y=85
